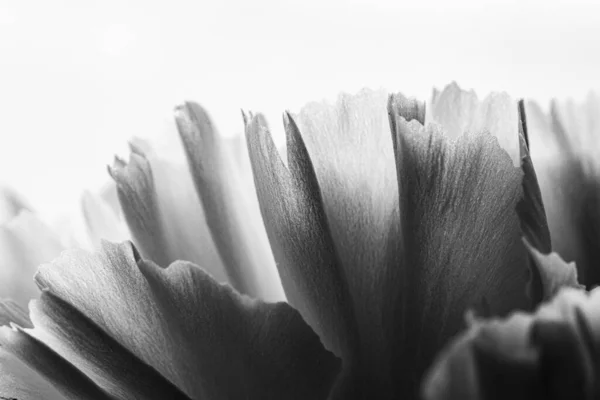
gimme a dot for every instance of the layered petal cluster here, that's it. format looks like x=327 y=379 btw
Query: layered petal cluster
x=385 y=224
x=200 y=208
x=386 y=231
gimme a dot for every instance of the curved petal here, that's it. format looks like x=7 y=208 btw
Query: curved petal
x=552 y=354
x=236 y=227
x=194 y=332
x=163 y=211
x=25 y=243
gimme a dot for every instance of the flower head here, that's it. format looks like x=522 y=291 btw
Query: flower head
x=381 y=229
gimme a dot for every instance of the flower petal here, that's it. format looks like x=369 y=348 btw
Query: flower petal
x=57 y=371
x=531 y=211
x=137 y=195
x=569 y=179
x=12 y=312
x=552 y=354
x=110 y=195
x=336 y=230
x=195 y=332
x=101 y=221
x=459 y=111
x=332 y=220
x=25 y=243
x=163 y=211
x=236 y=227
x=352 y=152
x=20 y=382
x=554 y=272
x=460 y=236
x=72 y=352
x=292 y=209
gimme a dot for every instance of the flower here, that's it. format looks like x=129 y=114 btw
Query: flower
x=383 y=231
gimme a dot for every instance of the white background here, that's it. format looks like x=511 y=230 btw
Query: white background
x=79 y=77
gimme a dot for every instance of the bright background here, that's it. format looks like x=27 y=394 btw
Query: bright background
x=79 y=77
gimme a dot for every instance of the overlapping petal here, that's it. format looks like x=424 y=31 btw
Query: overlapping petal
x=460 y=111
x=382 y=255
x=461 y=234
x=551 y=354
x=385 y=230
x=232 y=217
x=128 y=328
x=163 y=211
x=19 y=381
